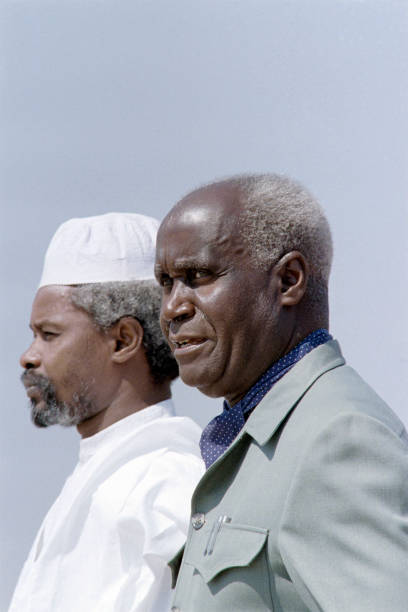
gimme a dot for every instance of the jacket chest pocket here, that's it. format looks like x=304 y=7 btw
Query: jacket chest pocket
x=228 y=545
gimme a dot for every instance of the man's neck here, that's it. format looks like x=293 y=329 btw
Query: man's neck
x=126 y=403
x=279 y=368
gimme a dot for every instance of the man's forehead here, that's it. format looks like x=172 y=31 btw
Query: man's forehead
x=189 y=214
x=51 y=300
x=211 y=209
x=188 y=242
x=203 y=246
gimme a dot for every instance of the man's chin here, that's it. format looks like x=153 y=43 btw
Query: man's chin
x=44 y=415
x=190 y=376
x=203 y=383
x=40 y=417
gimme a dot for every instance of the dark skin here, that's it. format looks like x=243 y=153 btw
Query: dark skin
x=226 y=319
x=76 y=356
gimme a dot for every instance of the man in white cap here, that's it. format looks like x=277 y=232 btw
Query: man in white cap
x=98 y=361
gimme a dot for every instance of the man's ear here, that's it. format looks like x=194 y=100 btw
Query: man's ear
x=293 y=272
x=127 y=335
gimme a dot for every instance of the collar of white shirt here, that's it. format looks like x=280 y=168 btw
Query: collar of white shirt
x=88 y=447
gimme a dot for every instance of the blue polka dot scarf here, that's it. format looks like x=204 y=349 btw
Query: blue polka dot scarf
x=225 y=427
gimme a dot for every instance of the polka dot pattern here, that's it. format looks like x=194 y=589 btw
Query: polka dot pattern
x=225 y=427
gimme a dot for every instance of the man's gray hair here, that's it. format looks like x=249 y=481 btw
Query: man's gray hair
x=282 y=216
x=279 y=216
x=106 y=303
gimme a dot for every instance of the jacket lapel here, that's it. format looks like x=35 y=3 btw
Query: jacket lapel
x=285 y=394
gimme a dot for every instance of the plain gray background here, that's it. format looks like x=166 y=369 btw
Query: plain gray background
x=127 y=105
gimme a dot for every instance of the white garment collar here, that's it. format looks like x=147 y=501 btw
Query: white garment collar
x=89 y=446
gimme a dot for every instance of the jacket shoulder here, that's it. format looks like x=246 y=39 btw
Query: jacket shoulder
x=342 y=390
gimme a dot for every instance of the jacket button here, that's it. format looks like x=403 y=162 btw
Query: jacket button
x=198 y=520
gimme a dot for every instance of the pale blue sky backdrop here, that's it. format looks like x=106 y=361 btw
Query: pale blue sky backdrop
x=127 y=105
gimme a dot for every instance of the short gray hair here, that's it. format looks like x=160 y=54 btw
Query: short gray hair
x=278 y=216
x=106 y=303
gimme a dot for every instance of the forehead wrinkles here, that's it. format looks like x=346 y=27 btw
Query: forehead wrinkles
x=198 y=249
x=51 y=305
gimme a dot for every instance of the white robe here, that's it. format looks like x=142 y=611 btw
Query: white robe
x=120 y=517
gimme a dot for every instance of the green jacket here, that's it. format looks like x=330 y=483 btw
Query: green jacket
x=308 y=508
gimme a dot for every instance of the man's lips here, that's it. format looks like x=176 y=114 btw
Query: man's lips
x=33 y=392
x=184 y=343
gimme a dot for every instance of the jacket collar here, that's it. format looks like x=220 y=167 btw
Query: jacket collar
x=279 y=401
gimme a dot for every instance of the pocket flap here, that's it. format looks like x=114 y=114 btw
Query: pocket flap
x=237 y=545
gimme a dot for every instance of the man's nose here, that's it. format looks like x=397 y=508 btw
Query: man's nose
x=178 y=304
x=30 y=358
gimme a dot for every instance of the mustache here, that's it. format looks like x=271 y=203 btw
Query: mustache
x=41 y=382
x=31 y=379
x=52 y=411
x=48 y=415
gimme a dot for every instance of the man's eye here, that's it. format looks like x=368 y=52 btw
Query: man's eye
x=197 y=274
x=48 y=335
x=166 y=281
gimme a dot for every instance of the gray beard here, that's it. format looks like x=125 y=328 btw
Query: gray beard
x=55 y=412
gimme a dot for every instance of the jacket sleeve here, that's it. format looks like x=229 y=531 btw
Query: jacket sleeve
x=344 y=530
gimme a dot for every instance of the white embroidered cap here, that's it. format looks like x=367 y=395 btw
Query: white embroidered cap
x=111 y=247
